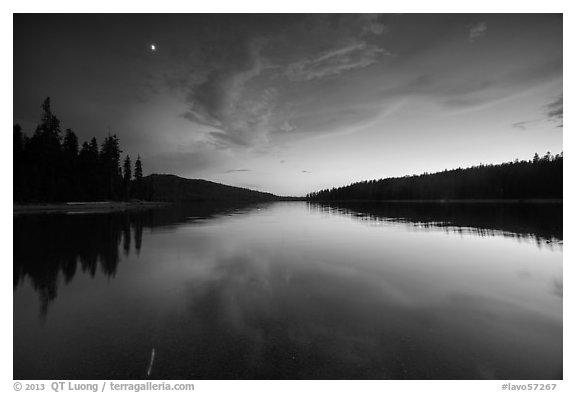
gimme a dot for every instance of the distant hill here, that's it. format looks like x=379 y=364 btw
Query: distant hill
x=174 y=188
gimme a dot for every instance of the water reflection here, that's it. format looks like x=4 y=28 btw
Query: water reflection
x=288 y=291
x=538 y=222
x=48 y=247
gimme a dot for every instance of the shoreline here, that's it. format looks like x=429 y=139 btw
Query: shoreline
x=464 y=201
x=84 y=207
x=112 y=206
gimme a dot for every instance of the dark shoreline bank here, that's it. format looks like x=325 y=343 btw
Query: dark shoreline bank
x=84 y=207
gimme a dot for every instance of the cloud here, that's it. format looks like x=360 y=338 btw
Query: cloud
x=237 y=170
x=243 y=103
x=239 y=114
x=247 y=121
x=245 y=86
x=371 y=25
x=460 y=90
x=352 y=56
x=334 y=120
x=421 y=82
x=287 y=127
x=477 y=30
x=555 y=110
x=305 y=171
x=523 y=125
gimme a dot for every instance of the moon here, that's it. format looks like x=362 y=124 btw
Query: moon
x=153 y=47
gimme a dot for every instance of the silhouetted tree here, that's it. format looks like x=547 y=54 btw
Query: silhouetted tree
x=110 y=166
x=49 y=168
x=89 y=178
x=127 y=176
x=70 y=144
x=138 y=175
x=18 y=140
x=70 y=171
x=44 y=157
x=138 y=169
x=19 y=144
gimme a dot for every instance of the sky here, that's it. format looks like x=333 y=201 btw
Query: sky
x=294 y=103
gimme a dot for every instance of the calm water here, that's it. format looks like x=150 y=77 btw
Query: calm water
x=290 y=291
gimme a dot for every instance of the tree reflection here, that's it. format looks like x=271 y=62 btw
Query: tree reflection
x=53 y=247
x=49 y=246
x=537 y=221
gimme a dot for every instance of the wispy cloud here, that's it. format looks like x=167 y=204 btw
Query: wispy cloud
x=237 y=170
x=372 y=25
x=555 y=110
x=239 y=115
x=358 y=54
x=523 y=125
x=245 y=88
x=323 y=75
x=477 y=30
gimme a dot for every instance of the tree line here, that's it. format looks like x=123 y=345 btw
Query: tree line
x=50 y=166
x=539 y=178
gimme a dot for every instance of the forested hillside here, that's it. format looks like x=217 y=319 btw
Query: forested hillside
x=539 y=178
x=175 y=188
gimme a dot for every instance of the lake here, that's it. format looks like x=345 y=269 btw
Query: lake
x=291 y=290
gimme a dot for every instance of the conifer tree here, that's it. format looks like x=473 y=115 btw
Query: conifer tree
x=127 y=176
x=138 y=183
